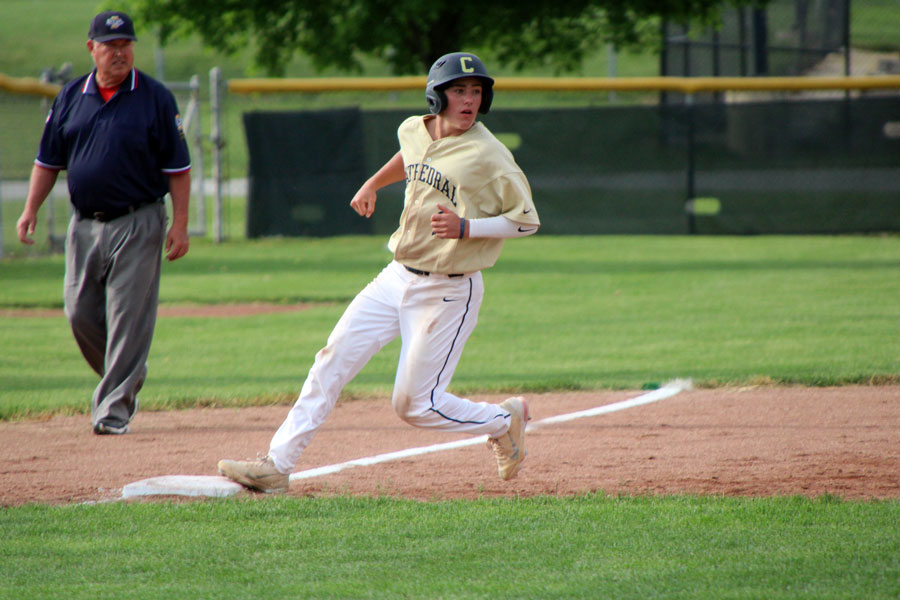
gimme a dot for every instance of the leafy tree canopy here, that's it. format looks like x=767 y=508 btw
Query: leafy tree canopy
x=410 y=34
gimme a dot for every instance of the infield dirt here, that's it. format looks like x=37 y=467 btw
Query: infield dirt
x=756 y=441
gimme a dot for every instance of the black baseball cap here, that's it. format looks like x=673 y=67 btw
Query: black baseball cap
x=112 y=25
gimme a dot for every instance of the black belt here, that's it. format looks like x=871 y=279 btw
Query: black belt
x=427 y=273
x=105 y=216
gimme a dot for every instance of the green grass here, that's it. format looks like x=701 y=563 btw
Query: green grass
x=874 y=25
x=606 y=312
x=590 y=546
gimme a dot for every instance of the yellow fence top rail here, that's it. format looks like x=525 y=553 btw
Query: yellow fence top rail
x=325 y=84
x=28 y=85
x=687 y=85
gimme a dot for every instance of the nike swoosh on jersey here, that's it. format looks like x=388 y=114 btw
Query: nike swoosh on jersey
x=526 y=211
x=524 y=229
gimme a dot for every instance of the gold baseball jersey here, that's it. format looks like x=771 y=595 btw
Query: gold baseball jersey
x=472 y=174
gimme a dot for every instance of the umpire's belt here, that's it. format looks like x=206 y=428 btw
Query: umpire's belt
x=105 y=216
x=427 y=273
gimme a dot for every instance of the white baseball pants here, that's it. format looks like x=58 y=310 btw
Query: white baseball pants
x=434 y=316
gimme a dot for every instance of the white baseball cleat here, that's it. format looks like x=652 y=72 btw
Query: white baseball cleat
x=509 y=449
x=258 y=474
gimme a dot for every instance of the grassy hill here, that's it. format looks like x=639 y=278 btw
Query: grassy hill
x=36 y=35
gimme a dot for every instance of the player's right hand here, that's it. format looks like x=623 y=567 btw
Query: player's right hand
x=364 y=202
x=25 y=228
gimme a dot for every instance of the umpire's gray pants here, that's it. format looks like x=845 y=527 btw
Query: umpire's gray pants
x=111 y=296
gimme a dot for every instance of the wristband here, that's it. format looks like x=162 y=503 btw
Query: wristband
x=462 y=228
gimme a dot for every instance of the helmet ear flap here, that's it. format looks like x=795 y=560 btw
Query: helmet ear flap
x=437 y=100
x=487 y=96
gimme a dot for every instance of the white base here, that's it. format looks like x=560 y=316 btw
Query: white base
x=183 y=485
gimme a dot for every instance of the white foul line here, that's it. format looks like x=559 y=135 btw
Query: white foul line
x=666 y=391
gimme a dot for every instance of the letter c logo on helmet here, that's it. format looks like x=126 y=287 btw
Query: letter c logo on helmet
x=451 y=67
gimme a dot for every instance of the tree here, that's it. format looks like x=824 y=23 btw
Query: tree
x=410 y=34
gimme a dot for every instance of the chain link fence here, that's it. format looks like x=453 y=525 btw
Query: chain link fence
x=789 y=38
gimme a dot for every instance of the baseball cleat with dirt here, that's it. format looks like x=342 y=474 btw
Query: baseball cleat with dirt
x=509 y=449
x=258 y=474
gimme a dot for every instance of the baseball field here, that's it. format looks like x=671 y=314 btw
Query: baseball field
x=775 y=476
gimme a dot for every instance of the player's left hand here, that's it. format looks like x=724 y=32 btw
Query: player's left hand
x=445 y=224
x=177 y=243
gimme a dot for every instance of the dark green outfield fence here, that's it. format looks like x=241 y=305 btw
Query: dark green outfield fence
x=817 y=166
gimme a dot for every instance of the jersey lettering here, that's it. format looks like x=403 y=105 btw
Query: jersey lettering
x=431 y=176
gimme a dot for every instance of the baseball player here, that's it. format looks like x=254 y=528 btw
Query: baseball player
x=464 y=195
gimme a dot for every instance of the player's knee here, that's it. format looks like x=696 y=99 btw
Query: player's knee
x=406 y=407
x=401 y=403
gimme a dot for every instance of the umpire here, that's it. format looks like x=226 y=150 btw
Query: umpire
x=118 y=134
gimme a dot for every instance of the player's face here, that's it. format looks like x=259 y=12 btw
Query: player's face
x=463 y=102
x=114 y=60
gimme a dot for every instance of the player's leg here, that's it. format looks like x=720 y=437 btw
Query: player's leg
x=368 y=324
x=436 y=321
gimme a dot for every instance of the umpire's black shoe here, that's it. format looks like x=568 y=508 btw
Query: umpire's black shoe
x=102 y=428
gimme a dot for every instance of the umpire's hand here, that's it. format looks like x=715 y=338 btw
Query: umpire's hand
x=177 y=242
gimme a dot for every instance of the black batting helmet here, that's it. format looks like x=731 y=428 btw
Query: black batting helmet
x=456 y=66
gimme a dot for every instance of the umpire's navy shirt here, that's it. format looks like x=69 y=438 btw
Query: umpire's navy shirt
x=118 y=153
